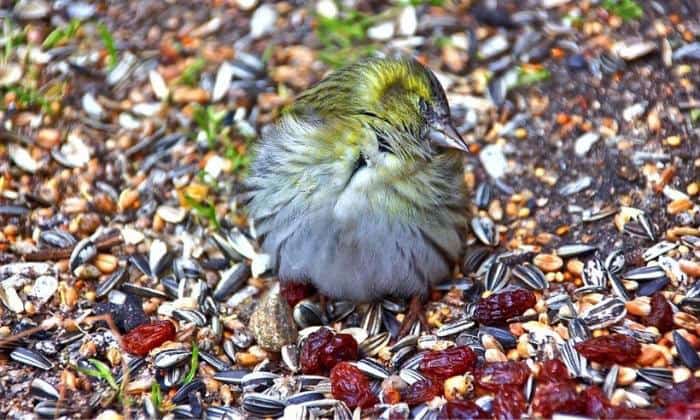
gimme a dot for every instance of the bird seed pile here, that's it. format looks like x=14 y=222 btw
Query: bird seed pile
x=132 y=285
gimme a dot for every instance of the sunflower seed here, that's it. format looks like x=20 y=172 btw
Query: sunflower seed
x=572 y=359
x=231 y=280
x=372 y=320
x=604 y=314
x=399 y=357
x=262 y=405
x=529 y=388
x=44 y=390
x=575 y=250
x=410 y=376
x=686 y=352
x=31 y=358
x=234 y=376
x=617 y=287
x=496 y=277
x=142 y=291
x=339 y=310
x=190 y=315
x=413 y=362
x=531 y=276
x=576 y=186
x=306 y=314
x=290 y=357
x=213 y=361
x=474 y=257
x=578 y=331
x=660 y=377
x=257 y=381
x=305 y=397
x=374 y=344
x=158 y=257
x=184 y=392
x=615 y=261
x=503 y=336
x=652 y=272
x=225 y=247
x=485 y=230
x=373 y=368
x=650 y=287
x=171 y=357
x=691 y=241
x=83 y=253
x=610 y=381
x=593 y=273
x=482 y=195
x=113 y=280
x=455 y=327
x=57 y=238
x=659 y=249
x=51 y=409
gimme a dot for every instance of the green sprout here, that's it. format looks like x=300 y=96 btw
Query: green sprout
x=100 y=371
x=626 y=9
x=190 y=75
x=109 y=44
x=210 y=122
x=344 y=38
x=203 y=210
x=194 y=364
x=62 y=34
x=156 y=395
x=529 y=76
x=695 y=115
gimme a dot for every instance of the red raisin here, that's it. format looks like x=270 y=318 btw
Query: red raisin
x=682 y=392
x=323 y=349
x=448 y=362
x=661 y=315
x=294 y=292
x=421 y=391
x=681 y=411
x=498 y=308
x=493 y=376
x=560 y=397
x=553 y=370
x=596 y=403
x=610 y=349
x=509 y=404
x=351 y=386
x=146 y=337
x=461 y=410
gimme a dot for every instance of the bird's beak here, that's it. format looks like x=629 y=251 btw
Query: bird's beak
x=446 y=135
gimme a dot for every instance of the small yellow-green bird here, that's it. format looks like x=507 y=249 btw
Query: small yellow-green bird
x=359 y=188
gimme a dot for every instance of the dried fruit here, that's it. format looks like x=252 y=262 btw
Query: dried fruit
x=450 y=362
x=494 y=376
x=461 y=410
x=323 y=349
x=509 y=404
x=351 y=386
x=560 y=397
x=681 y=411
x=553 y=370
x=661 y=315
x=682 y=392
x=146 y=337
x=610 y=349
x=499 y=307
x=421 y=391
x=293 y=292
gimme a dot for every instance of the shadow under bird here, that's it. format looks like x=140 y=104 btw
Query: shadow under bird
x=358 y=189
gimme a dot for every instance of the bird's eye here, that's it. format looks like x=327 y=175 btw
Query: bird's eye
x=423 y=106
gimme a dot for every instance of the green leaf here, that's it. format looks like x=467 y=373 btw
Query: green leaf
x=64 y=33
x=204 y=210
x=626 y=9
x=109 y=44
x=695 y=115
x=156 y=395
x=194 y=364
x=531 y=76
x=190 y=75
x=101 y=371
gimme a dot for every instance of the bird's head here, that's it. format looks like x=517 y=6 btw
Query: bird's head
x=399 y=99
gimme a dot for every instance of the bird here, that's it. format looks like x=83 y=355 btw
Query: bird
x=358 y=188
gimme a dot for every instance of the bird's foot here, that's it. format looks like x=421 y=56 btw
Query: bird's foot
x=415 y=314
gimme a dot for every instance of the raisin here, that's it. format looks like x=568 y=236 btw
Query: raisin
x=146 y=337
x=553 y=370
x=449 y=362
x=461 y=410
x=509 y=404
x=681 y=411
x=294 y=292
x=351 y=386
x=597 y=404
x=610 y=349
x=323 y=349
x=560 y=397
x=682 y=392
x=495 y=375
x=501 y=306
x=421 y=391
x=661 y=315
